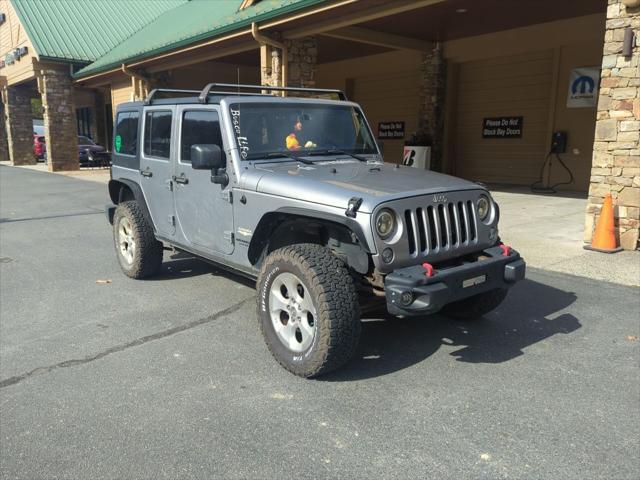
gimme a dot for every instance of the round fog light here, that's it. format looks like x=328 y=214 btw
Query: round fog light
x=387 y=255
x=406 y=298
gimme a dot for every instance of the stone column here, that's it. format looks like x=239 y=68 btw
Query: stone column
x=616 y=149
x=59 y=118
x=303 y=58
x=19 y=124
x=432 y=100
x=4 y=147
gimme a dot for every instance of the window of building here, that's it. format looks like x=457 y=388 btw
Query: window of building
x=83 y=119
x=157 y=134
x=126 y=139
x=199 y=127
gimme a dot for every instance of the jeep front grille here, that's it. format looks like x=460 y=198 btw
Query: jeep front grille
x=442 y=227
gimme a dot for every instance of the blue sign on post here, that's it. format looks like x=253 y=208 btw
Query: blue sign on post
x=583 y=87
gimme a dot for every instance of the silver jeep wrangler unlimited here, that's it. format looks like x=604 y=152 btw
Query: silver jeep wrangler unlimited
x=293 y=192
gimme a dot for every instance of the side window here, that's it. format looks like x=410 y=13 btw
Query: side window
x=157 y=134
x=126 y=138
x=199 y=127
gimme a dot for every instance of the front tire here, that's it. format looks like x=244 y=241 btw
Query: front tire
x=475 y=307
x=308 y=309
x=138 y=251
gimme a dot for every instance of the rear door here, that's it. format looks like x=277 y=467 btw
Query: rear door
x=203 y=208
x=156 y=168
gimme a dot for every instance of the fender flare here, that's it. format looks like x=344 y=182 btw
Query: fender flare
x=115 y=192
x=258 y=240
x=350 y=223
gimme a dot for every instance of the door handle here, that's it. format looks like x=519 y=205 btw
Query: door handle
x=181 y=179
x=146 y=173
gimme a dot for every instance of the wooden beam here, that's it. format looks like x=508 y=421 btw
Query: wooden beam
x=361 y=16
x=381 y=39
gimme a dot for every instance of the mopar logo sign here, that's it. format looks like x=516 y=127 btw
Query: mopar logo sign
x=583 y=87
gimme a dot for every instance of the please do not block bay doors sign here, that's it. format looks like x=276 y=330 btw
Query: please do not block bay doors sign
x=502 y=127
x=583 y=87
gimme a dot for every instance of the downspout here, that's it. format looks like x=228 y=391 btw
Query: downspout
x=136 y=76
x=262 y=39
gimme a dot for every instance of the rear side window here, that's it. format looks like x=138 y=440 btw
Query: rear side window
x=126 y=138
x=157 y=134
x=199 y=127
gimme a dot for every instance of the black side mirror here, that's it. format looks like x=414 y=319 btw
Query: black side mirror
x=206 y=157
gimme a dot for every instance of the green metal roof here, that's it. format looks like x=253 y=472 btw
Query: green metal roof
x=84 y=30
x=188 y=23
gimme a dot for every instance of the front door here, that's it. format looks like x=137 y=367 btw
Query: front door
x=156 y=168
x=203 y=208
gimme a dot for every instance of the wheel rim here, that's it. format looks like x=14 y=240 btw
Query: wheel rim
x=292 y=311
x=126 y=242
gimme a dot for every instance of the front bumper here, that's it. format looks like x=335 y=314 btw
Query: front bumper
x=410 y=292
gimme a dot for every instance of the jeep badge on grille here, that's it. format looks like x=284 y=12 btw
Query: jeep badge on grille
x=439 y=198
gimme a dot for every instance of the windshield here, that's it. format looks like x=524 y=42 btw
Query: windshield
x=84 y=140
x=261 y=129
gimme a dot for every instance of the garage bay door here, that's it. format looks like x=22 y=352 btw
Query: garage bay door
x=515 y=86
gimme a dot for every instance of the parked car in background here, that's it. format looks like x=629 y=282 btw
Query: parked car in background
x=90 y=154
x=39 y=147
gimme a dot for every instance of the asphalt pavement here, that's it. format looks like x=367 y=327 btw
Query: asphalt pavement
x=106 y=377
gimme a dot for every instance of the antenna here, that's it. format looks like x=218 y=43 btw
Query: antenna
x=238 y=70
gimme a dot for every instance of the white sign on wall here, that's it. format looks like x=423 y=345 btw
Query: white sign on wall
x=583 y=87
x=417 y=157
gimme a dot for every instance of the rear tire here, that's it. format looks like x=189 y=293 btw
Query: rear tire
x=308 y=309
x=138 y=251
x=475 y=307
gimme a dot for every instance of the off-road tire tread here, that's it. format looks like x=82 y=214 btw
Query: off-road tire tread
x=148 y=257
x=475 y=307
x=338 y=302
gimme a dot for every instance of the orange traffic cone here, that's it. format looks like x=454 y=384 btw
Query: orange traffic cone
x=604 y=237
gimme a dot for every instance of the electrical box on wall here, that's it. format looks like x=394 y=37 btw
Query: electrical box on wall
x=559 y=142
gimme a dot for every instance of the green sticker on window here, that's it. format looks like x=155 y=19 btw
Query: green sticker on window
x=118 y=143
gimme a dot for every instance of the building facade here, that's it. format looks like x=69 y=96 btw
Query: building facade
x=488 y=84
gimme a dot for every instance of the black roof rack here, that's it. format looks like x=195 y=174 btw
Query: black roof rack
x=203 y=95
x=206 y=91
x=156 y=91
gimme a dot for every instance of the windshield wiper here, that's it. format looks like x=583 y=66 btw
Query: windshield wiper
x=338 y=152
x=289 y=155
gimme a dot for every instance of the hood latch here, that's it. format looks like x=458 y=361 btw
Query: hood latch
x=352 y=208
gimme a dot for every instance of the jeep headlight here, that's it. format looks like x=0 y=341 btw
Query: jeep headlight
x=484 y=207
x=385 y=223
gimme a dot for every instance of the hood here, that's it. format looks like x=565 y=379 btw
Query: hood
x=335 y=182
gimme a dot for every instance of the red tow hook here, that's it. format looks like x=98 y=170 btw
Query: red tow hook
x=429 y=269
x=506 y=250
